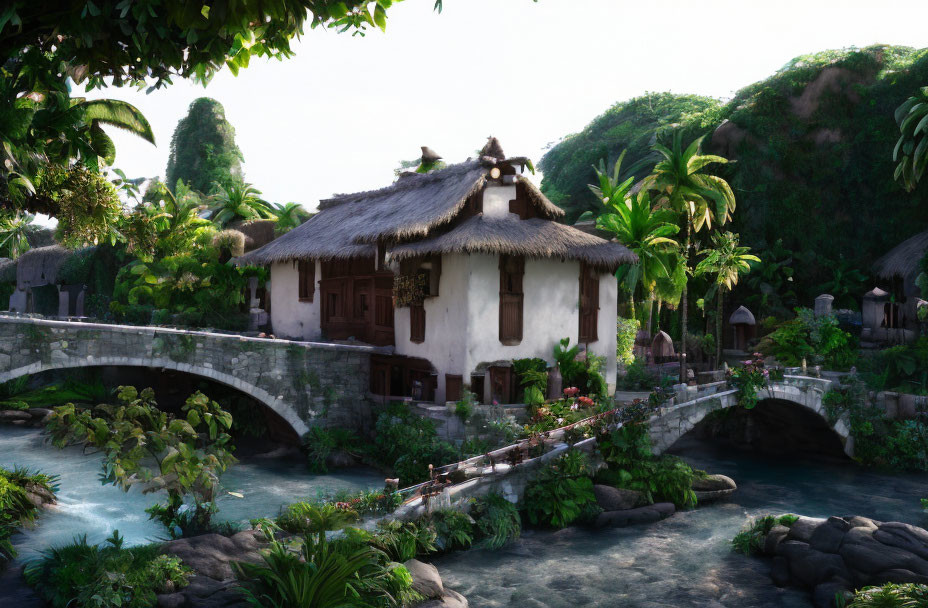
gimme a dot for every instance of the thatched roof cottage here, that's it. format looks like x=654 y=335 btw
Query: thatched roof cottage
x=461 y=269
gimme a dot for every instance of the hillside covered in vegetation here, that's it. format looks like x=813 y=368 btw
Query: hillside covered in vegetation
x=813 y=147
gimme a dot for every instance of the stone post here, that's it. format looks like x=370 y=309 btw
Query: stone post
x=823 y=305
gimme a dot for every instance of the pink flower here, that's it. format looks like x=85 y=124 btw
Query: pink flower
x=495 y=402
x=574 y=407
x=571 y=391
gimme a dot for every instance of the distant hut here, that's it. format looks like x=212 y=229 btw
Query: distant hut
x=898 y=271
x=744 y=327
x=662 y=348
x=258 y=233
x=36 y=277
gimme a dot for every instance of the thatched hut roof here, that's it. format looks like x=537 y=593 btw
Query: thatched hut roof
x=902 y=260
x=348 y=225
x=534 y=238
x=742 y=316
x=7 y=270
x=40 y=266
x=258 y=233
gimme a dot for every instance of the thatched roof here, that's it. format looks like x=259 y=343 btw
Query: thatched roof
x=40 y=266
x=742 y=316
x=902 y=260
x=535 y=238
x=348 y=225
x=258 y=233
x=7 y=270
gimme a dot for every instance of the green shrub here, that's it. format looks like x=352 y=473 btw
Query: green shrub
x=532 y=376
x=626 y=332
x=818 y=340
x=319 y=442
x=751 y=538
x=631 y=465
x=408 y=444
x=453 y=529
x=497 y=519
x=561 y=492
x=403 y=541
x=306 y=517
x=16 y=509
x=80 y=575
x=891 y=595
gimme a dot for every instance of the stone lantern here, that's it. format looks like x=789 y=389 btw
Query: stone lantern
x=872 y=313
x=823 y=305
x=743 y=327
x=662 y=348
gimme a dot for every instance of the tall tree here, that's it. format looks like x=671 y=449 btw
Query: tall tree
x=203 y=150
x=698 y=198
x=726 y=260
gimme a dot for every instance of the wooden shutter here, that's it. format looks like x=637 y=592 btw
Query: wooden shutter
x=511 y=297
x=307 y=280
x=454 y=387
x=417 y=323
x=589 y=303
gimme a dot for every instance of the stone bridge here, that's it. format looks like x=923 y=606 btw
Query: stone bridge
x=672 y=422
x=306 y=383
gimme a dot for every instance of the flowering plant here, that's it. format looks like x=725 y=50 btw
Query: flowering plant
x=748 y=378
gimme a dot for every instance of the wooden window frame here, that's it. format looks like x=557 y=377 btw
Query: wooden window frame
x=306 y=280
x=589 y=305
x=511 y=299
x=417 y=323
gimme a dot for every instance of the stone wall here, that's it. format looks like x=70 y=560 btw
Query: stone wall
x=306 y=383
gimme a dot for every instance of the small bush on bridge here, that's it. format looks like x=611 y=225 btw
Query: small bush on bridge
x=498 y=520
x=632 y=466
x=142 y=444
x=818 y=340
x=408 y=444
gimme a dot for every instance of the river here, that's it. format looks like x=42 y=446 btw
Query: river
x=684 y=561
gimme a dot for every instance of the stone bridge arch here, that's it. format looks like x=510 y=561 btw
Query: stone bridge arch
x=306 y=384
x=284 y=410
x=673 y=422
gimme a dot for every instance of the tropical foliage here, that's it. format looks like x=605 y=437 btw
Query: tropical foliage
x=82 y=575
x=16 y=507
x=815 y=340
x=237 y=201
x=562 y=492
x=14 y=234
x=203 y=150
x=143 y=445
x=911 y=151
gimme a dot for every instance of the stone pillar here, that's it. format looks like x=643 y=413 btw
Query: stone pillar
x=64 y=302
x=823 y=305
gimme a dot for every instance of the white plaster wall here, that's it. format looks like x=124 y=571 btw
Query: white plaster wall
x=550 y=309
x=445 y=324
x=608 y=317
x=496 y=200
x=291 y=318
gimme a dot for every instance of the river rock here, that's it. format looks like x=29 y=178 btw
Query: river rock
x=839 y=554
x=211 y=555
x=616 y=499
x=628 y=517
x=14 y=416
x=425 y=579
x=714 y=483
x=451 y=599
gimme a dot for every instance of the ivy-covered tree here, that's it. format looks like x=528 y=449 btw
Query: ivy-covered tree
x=203 y=150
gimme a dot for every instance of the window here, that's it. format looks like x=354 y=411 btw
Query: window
x=417 y=323
x=589 y=303
x=307 y=280
x=511 y=271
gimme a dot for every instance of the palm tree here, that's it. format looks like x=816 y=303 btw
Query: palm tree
x=911 y=152
x=237 y=201
x=726 y=260
x=646 y=232
x=696 y=197
x=175 y=216
x=289 y=216
x=14 y=234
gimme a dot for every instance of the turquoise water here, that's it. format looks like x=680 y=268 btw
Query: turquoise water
x=684 y=561
x=87 y=507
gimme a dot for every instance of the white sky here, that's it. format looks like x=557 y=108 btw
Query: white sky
x=340 y=115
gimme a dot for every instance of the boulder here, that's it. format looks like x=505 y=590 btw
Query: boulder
x=829 y=535
x=616 y=499
x=629 y=517
x=211 y=555
x=870 y=556
x=779 y=571
x=903 y=536
x=823 y=596
x=171 y=600
x=714 y=483
x=425 y=579
x=776 y=535
x=809 y=567
x=803 y=528
x=340 y=459
x=451 y=599
x=14 y=416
